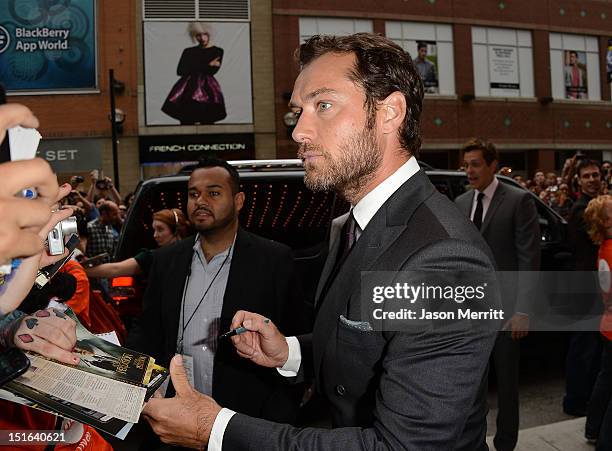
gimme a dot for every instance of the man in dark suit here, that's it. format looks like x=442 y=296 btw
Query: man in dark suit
x=585 y=347
x=197 y=285
x=359 y=101
x=508 y=220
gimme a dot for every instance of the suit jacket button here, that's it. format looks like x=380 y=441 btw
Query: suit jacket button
x=340 y=390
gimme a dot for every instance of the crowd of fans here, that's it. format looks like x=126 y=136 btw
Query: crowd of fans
x=560 y=191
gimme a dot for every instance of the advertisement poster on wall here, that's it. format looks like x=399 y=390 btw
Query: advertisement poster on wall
x=426 y=64
x=503 y=71
x=575 y=75
x=197 y=73
x=609 y=60
x=48 y=46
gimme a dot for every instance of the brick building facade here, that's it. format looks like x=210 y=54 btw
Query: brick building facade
x=81 y=121
x=534 y=131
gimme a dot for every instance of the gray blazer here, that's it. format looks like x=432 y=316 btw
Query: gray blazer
x=391 y=390
x=512 y=231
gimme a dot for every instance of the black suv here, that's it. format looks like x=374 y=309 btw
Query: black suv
x=280 y=207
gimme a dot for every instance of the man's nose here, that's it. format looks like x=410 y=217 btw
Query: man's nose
x=304 y=130
x=202 y=200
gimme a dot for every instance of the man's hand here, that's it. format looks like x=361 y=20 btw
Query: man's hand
x=263 y=343
x=185 y=420
x=50 y=333
x=518 y=325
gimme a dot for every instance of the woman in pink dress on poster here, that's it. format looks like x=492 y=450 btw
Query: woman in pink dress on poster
x=196 y=98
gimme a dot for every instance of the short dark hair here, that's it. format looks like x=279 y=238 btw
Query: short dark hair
x=105 y=208
x=381 y=68
x=421 y=45
x=573 y=52
x=586 y=163
x=489 y=152
x=212 y=162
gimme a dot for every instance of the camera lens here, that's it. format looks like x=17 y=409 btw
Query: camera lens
x=69 y=226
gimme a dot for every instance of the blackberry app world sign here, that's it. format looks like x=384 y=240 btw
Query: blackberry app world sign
x=47 y=45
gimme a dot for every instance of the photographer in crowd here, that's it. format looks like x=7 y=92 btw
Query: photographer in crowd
x=103 y=187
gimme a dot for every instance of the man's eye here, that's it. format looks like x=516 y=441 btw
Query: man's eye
x=193 y=194
x=324 y=106
x=214 y=193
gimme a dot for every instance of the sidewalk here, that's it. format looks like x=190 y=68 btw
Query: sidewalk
x=565 y=435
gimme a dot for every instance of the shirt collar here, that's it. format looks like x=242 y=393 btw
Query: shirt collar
x=198 y=250
x=489 y=190
x=367 y=207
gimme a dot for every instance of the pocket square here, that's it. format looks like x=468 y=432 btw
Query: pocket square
x=363 y=326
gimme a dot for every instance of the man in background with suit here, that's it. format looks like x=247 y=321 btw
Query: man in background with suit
x=359 y=101
x=508 y=220
x=197 y=285
x=585 y=347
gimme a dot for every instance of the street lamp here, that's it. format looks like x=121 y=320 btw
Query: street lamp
x=117 y=118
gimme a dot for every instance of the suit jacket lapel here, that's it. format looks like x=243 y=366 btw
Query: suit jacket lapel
x=465 y=204
x=498 y=196
x=379 y=235
x=239 y=268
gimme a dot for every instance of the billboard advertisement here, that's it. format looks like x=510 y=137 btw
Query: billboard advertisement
x=575 y=75
x=48 y=46
x=197 y=73
x=426 y=64
x=504 y=71
x=609 y=60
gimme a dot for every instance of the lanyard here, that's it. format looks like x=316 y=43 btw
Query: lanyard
x=185 y=324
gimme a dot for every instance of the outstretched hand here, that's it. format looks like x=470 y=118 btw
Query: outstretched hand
x=50 y=333
x=185 y=420
x=263 y=344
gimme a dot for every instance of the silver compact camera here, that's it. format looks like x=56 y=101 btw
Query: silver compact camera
x=60 y=233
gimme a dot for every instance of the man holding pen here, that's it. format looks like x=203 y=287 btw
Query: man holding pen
x=359 y=101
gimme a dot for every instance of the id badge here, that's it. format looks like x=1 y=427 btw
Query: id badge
x=188 y=365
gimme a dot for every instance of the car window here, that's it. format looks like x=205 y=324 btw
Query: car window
x=281 y=209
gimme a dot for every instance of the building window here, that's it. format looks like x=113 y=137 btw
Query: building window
x=310 y=26
x=574 y=67
x=503 y=62
x=431 y=47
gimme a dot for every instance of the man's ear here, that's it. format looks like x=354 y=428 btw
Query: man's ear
x=393 y=110
x=495 y=164
x=239 y=201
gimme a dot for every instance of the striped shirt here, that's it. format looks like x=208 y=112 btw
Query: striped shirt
x=200 y=335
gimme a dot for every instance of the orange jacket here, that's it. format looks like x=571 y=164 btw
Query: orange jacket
x=604 y=263
x=79 y=302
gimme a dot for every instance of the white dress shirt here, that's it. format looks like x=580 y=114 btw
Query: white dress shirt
x=363 y=212
x=489 y=191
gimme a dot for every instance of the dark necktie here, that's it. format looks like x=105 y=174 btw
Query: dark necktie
x=348 y=238
x=478 y=212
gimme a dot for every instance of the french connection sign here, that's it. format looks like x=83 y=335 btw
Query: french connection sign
x=47 y=45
